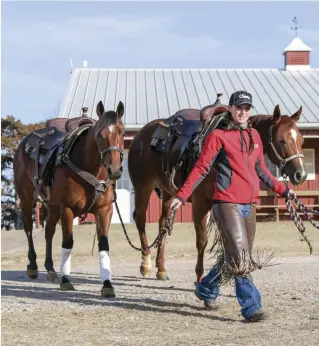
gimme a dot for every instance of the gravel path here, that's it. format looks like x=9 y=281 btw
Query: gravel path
x=152 y=312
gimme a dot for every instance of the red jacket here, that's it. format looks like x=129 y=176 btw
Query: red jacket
x=238 y=172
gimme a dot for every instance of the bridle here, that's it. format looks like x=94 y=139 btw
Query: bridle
x=105 y=151
x=282 y=161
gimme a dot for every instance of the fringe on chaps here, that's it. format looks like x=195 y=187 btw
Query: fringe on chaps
x=240 y=263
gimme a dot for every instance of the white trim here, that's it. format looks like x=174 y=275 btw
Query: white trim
x=180 y=69
x=136 y=127
x=131 y=137
x=297 y=67
x=308 y=125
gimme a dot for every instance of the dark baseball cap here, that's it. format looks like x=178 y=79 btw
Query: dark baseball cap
x=241 y=97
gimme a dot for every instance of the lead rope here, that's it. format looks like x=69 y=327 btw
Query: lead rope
x=296 y=218
x=156 y=242
x=167 y=228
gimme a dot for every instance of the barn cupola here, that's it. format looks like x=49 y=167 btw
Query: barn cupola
x=297 y=54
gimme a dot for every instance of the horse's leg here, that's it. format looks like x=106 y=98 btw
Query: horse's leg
x=160 y=259
x=27 y=210
x=200 y=208
x=52 y=219
x=142 y=197
x=67 y=245
x=103 y=219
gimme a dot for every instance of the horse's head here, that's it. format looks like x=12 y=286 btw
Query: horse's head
x=109 y=131
x=285 y=146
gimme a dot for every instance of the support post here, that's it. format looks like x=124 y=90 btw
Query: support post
x=277 y=214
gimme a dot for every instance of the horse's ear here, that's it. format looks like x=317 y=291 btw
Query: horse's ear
x=295 y=117
x=100 y=109
x=120 y=110
x=276 y=115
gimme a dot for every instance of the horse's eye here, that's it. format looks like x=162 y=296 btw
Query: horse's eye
x=282 y=142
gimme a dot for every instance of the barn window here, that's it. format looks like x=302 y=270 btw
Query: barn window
x=310 y=163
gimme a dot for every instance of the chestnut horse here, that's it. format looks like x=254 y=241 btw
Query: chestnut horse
x=282 y=142
x=97 y=156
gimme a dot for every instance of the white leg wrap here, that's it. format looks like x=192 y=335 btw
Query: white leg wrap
x=105 y=266
x=65 y=267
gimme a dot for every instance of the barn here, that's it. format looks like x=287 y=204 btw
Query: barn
x=150 y=94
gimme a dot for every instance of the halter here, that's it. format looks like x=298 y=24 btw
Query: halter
x=282 y=161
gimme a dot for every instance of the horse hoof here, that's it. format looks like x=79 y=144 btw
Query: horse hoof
x=66 y=284
x=162 y=276
x=51 y=276
x=32 y=273
x=107 y=290
x=146 y=273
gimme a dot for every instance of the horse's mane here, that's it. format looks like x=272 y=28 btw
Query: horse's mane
x=256 y=119
x=259 y=117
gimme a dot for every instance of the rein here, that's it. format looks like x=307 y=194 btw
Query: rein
x=100 y=186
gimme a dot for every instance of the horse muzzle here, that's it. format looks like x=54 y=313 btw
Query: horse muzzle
x=114 y=174
x=298 y=177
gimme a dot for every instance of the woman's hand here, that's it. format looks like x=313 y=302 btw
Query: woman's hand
x=291 y=194
x=175 y=204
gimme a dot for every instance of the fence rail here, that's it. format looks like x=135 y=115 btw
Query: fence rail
x=277 y=209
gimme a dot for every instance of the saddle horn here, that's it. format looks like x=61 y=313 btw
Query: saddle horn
x=217 y=102
x=207 y=112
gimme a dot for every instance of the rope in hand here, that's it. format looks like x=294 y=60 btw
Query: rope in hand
x=166 y=228
x=297 y=219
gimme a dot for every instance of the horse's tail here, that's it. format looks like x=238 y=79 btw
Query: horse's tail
x=134 y=215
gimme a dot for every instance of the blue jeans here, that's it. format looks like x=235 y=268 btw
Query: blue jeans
x=247 y=294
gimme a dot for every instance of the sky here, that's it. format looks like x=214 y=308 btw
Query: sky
x=40 y=37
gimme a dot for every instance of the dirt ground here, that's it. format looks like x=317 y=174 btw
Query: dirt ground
x=152 y=312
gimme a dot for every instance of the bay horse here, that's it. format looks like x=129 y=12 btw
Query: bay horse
x=281 y=140
x=84 y=181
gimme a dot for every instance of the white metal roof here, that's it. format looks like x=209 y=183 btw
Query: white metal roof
x=150 y=94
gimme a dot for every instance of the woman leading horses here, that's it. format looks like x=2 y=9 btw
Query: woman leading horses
x=236 y=151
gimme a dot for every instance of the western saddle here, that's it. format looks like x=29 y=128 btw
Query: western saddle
x=45 y=146
x=179 y=138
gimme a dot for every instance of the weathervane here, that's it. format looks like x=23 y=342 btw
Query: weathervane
x=296 y=27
